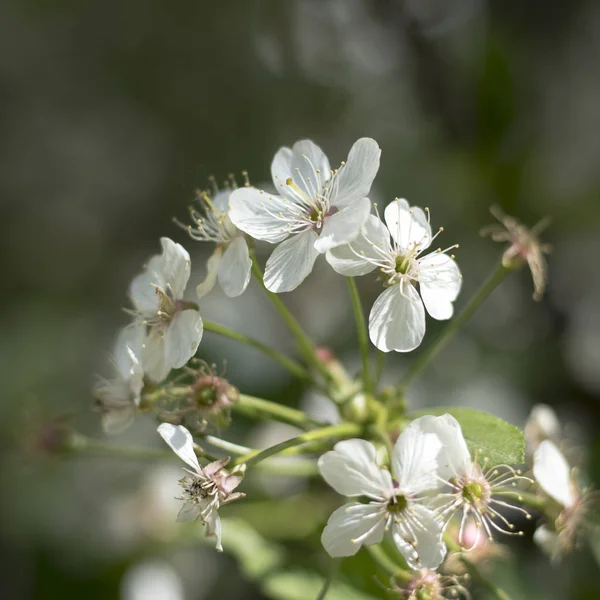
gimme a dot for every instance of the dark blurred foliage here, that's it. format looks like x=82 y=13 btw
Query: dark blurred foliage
x=114 y=112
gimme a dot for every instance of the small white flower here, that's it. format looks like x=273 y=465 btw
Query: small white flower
x=230 y=263
x=471 y=488
x=318 y=208
x=558 y=481
x=206 y=489
x=119 y=397
x=397 y=319
x=351 y=470
x=175 y=326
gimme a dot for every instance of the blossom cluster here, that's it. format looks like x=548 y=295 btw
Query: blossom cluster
x=432 y=493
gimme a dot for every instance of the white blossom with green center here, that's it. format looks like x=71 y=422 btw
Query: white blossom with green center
x=351 y=469
x=317 y=208
x=174 y=326
x=397 y=319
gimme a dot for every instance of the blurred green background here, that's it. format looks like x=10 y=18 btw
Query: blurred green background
x=114 y=112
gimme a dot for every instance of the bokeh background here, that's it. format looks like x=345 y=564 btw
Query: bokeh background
x=114 y=112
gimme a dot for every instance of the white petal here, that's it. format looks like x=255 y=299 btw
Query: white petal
x=552 y=472
x=454 y=460
x=414 y=459
x=183 y=337
x=153 y=355
x=117 y=420
x=397 y=319
x=440 y=282
x=343 y=226
x=351 y=470
x=142 y=290
x=235 y=268
x=408 y=226
x=281 y=167
x=128 y=348
x=291 y=262
x=261 y=215
x=176 y=266
x=352 y=526
x=547 y=540
x=421 y=545
x=181 y=442
x=212 y=269
x=362 y=255
x=221 y=200
x=213 y=528
x=190 y=511
x=357 y=175
x=310 y=168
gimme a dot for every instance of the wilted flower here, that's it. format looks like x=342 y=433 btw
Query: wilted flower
x=175 y=326
x=429 y=585
x=397 y=319
x=471 y=487
x=525 y=247
x=119 y=397
x=230 y=263
x=552 y=472
x=206 y=489
x=318 y=208
x=351 y=469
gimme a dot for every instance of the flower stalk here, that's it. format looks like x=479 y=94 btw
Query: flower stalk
x=453 y=326
x=291 y=365
x=343 y=430
x=363 y=337
x=305 y=344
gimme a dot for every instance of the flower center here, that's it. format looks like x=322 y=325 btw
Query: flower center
x=199 y=489
x=473 y=492
x=402 y=264
x=397 y=504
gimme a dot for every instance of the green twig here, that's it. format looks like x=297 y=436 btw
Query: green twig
x=260 y=408
x=363 y=336
x=291 y=365
x=343 y=430
x=453 y=326
x=305 y=344
x=379 y=555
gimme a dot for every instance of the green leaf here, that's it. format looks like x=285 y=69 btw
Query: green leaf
x=487 y=436
x=305 y=585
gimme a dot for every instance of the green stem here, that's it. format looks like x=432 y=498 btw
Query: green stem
x=379 y=555
x=527 y=498
x=363 y=336
x=343 y=430
x=80 y=444
x=453 y=326
x=335 y=567
x=304 y=342
x=260 y=409
x=291 y=365
x=85 y=445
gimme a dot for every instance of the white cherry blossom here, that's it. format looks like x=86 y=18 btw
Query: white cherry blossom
x=174 y=325
x=205 y=489
x=318 y=209
x=230 y=263
x=119 y=397
x=558 y=481
x=351 y=469
x=397 y=319
x=469 y=489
